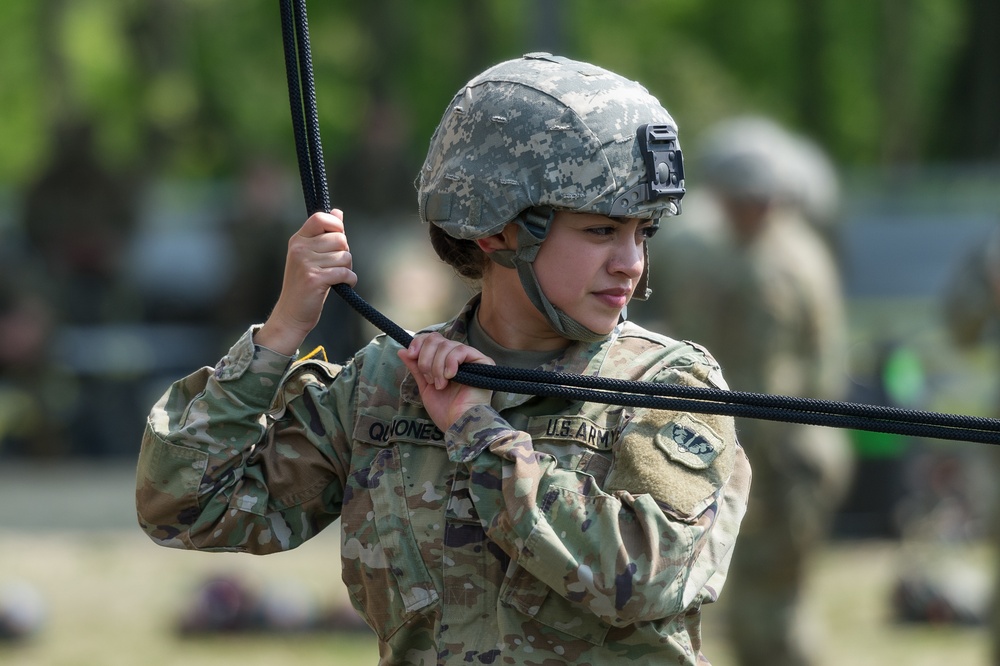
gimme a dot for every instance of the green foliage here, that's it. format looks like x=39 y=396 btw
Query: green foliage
x=196 y=87
x=22 y=100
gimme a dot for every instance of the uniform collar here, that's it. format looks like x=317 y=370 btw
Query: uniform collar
x=580 y=358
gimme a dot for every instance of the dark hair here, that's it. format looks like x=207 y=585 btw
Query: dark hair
x=463 y=255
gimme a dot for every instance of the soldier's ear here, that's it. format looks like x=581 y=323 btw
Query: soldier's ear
x=491 y=244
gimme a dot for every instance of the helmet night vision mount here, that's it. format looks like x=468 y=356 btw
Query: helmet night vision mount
x=664 y=168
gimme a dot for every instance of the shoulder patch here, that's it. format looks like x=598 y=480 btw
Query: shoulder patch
x=681 y=460
x=689 y=441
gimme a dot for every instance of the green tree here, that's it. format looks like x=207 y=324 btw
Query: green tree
x=196 y=87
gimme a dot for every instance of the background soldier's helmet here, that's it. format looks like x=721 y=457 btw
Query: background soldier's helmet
x=543 y=133
x=748 y=157
x=754 y=157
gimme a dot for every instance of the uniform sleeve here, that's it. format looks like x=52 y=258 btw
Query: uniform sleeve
x=625 y=556
x=245 y=457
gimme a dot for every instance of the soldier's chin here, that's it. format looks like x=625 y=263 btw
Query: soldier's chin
x=604 y=326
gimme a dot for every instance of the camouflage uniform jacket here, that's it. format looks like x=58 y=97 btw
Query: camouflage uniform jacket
x=535 y=530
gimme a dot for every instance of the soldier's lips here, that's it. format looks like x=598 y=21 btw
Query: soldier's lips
x=613 y=298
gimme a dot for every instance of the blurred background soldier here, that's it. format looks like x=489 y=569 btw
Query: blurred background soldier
x=971 y=309
x=750 y=276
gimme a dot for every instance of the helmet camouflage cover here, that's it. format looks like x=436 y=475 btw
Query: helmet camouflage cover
x=545 y=133
x=540 y=130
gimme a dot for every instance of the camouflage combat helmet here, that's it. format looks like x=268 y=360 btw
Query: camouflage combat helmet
x=749 y=157
x=544 y=133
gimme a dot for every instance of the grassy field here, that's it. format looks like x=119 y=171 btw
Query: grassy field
x=113 y=597
x=113 y=600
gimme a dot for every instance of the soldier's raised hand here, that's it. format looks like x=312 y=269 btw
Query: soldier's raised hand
x=318 y=258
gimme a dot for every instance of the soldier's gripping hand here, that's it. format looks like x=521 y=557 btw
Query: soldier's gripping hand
x=318 y=258
x=433 y=361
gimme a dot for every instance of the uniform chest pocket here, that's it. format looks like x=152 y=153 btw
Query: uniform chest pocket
x=393 y=585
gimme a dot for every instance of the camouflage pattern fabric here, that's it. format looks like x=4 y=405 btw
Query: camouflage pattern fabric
x=771 y=312
x=541 y=130
x=971 y=306
x=513 y=538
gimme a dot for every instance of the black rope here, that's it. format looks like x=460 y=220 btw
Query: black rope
x=875 y=418
x=717 y=401
x=308 y=147
x=288 y=32
x=320 y=189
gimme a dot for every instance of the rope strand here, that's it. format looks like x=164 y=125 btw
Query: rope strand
x=318 y=168
x=288 y=32
x=789 y=409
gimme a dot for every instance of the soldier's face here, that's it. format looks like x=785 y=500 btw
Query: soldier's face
x=589 y=266
x=746 y=216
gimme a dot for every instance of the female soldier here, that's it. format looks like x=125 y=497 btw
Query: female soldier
x=480 y=527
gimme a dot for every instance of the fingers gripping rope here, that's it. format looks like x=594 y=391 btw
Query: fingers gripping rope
x=875 y=418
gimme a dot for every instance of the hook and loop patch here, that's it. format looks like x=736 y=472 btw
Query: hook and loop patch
x=689 y=441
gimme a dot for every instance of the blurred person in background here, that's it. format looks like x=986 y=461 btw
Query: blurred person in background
x=746 y=273
x=29 y=423
x=79 y=215
x=971 y=309
x=479 y=526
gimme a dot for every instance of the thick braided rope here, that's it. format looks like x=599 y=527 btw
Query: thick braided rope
x=717 y=401
x=288 y=31
x=317 y=167
x=876 y=412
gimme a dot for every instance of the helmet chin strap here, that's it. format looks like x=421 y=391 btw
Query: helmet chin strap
x=532 y=227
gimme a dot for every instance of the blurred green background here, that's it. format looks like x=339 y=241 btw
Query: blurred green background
x=148 y=184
